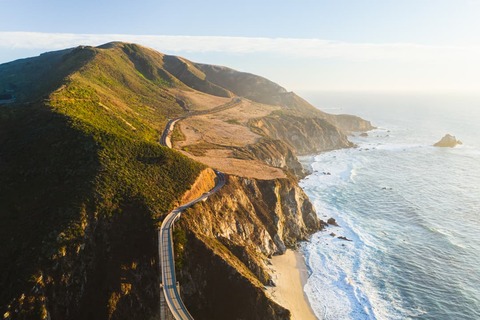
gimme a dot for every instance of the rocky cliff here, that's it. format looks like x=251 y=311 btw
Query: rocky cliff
x=275 y=153
x=231 y=236
x=304 y=135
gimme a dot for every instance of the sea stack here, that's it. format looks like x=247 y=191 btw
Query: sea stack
x=448 y=141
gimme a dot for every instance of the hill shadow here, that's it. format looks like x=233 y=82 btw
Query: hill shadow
x=47 y=173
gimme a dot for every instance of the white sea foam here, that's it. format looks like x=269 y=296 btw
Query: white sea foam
x=335 y=292
x=413 y=224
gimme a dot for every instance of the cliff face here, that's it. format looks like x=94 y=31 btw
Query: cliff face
x=304 y=135
x=231 y=236
x=349 y=123
x=275 y=153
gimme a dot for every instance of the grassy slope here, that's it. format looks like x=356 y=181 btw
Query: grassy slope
x=82 y=180
x=124 y=111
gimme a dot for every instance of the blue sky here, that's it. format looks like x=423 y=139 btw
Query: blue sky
x=385 y=45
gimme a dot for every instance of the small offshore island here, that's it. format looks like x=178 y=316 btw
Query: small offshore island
x=448 y=141
x=81 y=206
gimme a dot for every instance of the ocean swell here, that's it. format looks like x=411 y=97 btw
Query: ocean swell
x=412 y=230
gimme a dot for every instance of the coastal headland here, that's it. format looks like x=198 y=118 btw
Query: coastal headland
x=81 y=205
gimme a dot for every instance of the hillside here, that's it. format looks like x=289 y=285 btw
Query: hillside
x=84 y=182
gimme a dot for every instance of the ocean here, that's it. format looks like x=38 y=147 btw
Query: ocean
x=411 y=211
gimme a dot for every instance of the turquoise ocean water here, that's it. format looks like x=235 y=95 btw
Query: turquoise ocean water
x=411 y=210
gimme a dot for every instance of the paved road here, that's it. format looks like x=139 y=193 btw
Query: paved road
x=167 y=257
x=165 y=235
x=165 y=139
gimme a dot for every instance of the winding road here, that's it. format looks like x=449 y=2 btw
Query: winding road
x=165 y=138
x=165 y=233
x=167 y=258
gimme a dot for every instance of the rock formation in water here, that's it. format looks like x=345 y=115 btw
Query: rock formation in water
x=448 y=141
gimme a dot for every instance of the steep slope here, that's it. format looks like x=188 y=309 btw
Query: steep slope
x=34 y=78
x=83 y=182
x=297 y=132
x=269 y=125
x=244 y=84
x=185 y=71
x=232 y=237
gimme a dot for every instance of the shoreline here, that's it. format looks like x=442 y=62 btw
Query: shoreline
x=290 y=276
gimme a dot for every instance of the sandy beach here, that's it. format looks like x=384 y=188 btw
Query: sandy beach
x=290 y=277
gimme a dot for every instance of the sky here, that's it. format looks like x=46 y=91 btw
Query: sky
x=329 y=45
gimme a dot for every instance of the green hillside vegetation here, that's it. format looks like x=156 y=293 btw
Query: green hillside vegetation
x=83 y=182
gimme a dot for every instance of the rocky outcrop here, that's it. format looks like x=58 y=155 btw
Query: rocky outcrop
x=213 y=287
x=301 y=134
x=332 y=221
x=275 y=153
x=349 y=123
x=231 y=237
x=448 y=141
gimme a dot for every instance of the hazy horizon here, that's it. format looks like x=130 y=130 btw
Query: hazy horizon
x=422 y=46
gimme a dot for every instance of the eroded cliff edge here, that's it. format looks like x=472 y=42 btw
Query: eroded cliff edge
x=228 y=240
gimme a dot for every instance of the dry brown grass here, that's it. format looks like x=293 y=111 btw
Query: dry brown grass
x=211 y=138
x=245 y=111
x=204 y=183
x=222 y=160
x=212 y=130
x=198 y=100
